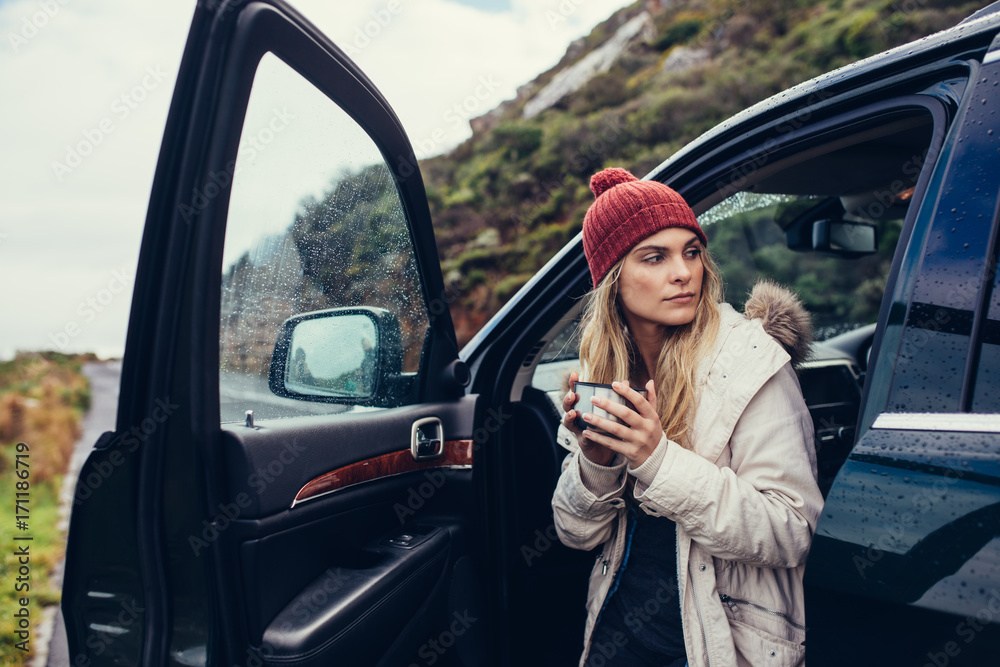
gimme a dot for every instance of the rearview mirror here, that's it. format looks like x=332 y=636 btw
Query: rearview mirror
x=844 y=237
x=339 y=355
x=822 y=228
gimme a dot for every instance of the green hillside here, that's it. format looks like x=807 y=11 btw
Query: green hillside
x=508 y=198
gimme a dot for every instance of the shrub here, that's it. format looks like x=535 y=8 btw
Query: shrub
x=604 y=90
x=518 y=140
x=475 y=277
x=862 y=36
x=679 y=32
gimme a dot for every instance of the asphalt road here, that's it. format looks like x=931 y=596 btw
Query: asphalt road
x=239 y=393
x=104 y=380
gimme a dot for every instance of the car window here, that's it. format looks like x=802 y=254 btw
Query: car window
x=746 y=239
x=559 y=357
x=315 y=222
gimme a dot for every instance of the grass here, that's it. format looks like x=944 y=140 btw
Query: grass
x=46 y=550
x=43 y=397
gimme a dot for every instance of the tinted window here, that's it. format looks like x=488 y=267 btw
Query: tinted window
x=930 y=371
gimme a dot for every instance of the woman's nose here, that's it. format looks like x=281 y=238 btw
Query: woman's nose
x=680 y=272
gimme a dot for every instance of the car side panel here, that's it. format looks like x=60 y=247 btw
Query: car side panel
x=909 y=540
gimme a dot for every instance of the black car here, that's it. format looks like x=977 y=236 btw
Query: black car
x=307 y=471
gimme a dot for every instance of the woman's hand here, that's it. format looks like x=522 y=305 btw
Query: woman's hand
x=592 y=450
x=639 y=438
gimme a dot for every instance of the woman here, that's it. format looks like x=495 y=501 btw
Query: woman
x=705 y=500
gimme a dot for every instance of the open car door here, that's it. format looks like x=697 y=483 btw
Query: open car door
x=290 y=481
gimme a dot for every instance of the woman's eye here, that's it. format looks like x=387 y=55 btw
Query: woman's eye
x=692 y=253
x=652 y=259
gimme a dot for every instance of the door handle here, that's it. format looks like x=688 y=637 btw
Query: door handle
x=427 y=439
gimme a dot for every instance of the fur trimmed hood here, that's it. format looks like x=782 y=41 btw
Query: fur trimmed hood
x=783 y=317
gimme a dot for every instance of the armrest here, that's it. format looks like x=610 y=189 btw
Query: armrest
x=351 y=606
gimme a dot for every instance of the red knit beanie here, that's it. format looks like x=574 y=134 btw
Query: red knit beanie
x=626 y=211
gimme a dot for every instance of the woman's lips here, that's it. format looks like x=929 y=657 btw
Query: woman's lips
x=681 y=298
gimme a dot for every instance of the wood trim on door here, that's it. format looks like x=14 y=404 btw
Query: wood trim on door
x=456 y=454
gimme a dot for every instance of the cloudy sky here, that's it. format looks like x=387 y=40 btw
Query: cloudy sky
x=100 y=73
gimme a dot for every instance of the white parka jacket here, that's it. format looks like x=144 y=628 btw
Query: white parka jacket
x=745 y=500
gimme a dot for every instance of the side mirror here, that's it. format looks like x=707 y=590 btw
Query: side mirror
x=351 y=356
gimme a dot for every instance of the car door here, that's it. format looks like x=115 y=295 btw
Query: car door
x=907 y=554
x=291 y=480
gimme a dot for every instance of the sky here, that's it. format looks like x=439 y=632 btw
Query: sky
x=86 y=87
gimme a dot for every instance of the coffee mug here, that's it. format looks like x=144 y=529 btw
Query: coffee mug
x=588 y=390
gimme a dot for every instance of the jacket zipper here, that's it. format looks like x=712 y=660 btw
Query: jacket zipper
x=732 y=602
x=701 y=619
x=618 y=548
x=619 y=536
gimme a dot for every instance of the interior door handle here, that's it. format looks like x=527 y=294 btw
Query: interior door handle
x=427 y=439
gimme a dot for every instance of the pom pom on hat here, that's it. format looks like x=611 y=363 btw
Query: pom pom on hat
x=626 y=211
x=603 y=181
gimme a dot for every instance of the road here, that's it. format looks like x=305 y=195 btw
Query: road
x=239 y=393
x=104 y=380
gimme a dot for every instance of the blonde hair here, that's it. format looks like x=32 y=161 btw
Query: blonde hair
x=608 y=353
